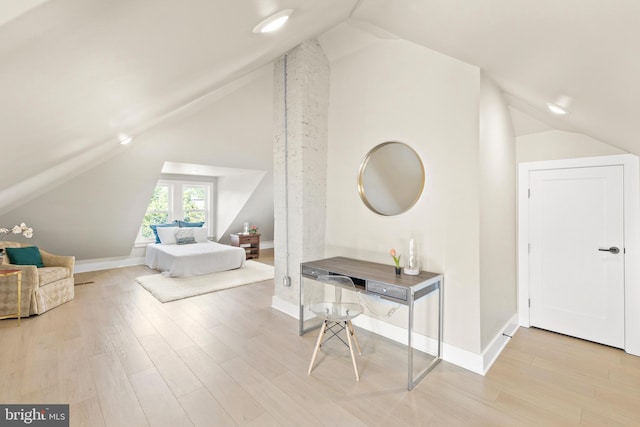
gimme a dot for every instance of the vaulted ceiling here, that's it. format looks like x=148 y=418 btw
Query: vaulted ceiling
x=76 y=73
x=538 y=51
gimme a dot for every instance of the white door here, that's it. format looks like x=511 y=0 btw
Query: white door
x=576 y=272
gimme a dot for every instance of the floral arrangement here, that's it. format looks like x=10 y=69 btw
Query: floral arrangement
x=17 y=229
x=253 y=229
x=396 y=258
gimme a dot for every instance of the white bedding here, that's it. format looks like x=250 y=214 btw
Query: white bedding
x=194 y=259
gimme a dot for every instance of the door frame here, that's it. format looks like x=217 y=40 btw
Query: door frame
x=631 y=177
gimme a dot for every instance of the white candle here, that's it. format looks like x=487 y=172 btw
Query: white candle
x=411 y=266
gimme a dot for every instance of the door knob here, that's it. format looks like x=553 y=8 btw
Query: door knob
x=612 y=249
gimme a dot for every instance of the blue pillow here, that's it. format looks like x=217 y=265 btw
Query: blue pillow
x=155 y=232
x=190 y=224
x=29 y=255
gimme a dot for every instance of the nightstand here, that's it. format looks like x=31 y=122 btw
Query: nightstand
x=249 y=242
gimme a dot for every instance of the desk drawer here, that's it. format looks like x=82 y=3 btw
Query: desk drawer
x=388 y=290
x=313 y=272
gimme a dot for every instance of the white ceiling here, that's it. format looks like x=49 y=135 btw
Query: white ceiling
x=11 y=9
x=537 y=51
x=75 y=73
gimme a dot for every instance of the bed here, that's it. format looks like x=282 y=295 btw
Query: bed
x=193 y=259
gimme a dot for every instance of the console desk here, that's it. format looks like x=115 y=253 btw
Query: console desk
x=381 y=280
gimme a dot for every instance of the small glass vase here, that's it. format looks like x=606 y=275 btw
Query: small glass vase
x=398 y=270
x=412 y=266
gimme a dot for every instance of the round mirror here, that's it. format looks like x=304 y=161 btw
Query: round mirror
x=391 y=178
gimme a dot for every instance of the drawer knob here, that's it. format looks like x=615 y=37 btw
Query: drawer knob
x=384 y=290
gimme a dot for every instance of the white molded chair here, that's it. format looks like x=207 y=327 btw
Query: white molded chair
x=334 y=307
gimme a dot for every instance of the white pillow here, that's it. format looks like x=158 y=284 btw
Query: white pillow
x=167 y=235
x=200 y=234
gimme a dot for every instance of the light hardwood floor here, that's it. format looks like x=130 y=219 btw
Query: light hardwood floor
x=121 y=358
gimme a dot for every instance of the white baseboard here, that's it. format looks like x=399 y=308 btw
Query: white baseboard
x=478 y=363
x=499 y=342
x=285 y=307
x=87 y=265
x=266 y=245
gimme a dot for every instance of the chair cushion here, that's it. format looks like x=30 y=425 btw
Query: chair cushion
x=47 y=275
x=29 y=255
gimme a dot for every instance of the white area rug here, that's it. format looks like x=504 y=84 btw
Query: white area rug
x=167 y=289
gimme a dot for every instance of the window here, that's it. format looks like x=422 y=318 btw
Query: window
x=157 y=212
x=194 y=202
x=176 y=200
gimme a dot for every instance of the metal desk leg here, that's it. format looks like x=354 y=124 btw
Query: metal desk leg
x=440 y=317
x=410 y=383
x=301 y=305
x=301 y=329
x=414 y=381
x=19 y=295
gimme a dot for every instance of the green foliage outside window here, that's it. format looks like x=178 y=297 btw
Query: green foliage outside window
x=157 y=212
x=194 y=203
x=194 y=206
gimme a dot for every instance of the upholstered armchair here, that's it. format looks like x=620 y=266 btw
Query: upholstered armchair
x=42 y=288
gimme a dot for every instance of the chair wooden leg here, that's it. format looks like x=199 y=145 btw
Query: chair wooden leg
x=353 y=356
x=318 y=342
x=353 y=334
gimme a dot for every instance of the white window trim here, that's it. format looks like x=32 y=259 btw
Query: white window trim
x=178 y=207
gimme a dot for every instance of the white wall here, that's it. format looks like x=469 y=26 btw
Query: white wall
x=234 y=191
x=393 y=90
x=497 y=212
x=98 y=213
x=557 y=144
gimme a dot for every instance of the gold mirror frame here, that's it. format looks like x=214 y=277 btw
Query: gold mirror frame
x=391 y=178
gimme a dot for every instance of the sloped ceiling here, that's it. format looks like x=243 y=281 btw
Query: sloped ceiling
x=76 y=73
x=11 y=9
x=538 y=51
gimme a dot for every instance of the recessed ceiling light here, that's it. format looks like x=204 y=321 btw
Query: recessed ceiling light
x=274 y=22
x=560 y=106
x=556 y=109
x=124 y=139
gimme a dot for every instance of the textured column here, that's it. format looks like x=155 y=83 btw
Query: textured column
x=300 y=162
